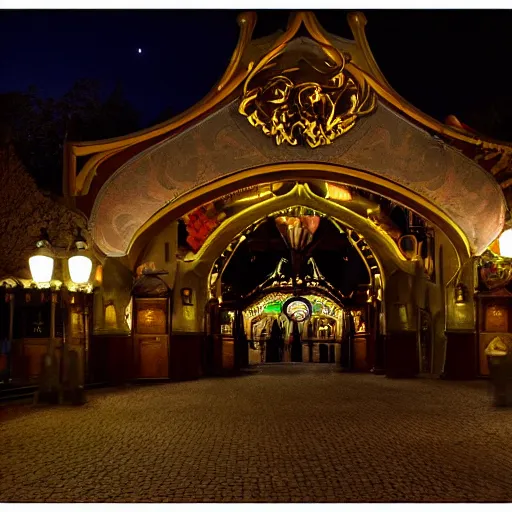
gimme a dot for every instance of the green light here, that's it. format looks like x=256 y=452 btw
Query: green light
x=317 y=307
x=273 y=307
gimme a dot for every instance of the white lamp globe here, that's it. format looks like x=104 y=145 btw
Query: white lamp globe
x=505 y=241
x=79 y=268
x=41 y=268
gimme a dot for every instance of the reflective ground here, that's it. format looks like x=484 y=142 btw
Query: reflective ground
x=299 y=432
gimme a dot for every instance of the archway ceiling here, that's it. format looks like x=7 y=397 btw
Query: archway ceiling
x=384 y=144
x=329 y=260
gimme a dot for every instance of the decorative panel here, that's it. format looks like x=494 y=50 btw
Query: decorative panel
x=384 y=144
x=496 y=318
x=151 y=316
x=153 y=357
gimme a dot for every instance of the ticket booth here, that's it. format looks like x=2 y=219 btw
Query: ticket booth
x=151 y=326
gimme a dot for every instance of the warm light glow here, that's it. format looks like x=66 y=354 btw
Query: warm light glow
x=338 y=193
x=128 y=314
x=41 y=268
x=98 y=276
x=80 y=268
x=110 y=316
x=505 y=241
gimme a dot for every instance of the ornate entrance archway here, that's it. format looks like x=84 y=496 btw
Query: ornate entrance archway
x=310 y=111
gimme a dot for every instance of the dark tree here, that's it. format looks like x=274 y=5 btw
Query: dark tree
x=39 y=127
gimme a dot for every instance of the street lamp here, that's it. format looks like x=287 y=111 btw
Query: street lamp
x=41 y=263
x=80 y=265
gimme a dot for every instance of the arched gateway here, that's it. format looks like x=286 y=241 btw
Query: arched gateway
x=301 y=211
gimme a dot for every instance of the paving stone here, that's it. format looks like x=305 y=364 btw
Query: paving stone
x=286 y=433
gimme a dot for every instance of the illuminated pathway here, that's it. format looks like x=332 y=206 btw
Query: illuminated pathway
x=283 y=433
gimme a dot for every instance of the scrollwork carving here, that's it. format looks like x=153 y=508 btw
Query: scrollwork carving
x=308 y=112
x=495 y=271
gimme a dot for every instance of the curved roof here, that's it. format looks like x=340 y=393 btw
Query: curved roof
x=93 y=184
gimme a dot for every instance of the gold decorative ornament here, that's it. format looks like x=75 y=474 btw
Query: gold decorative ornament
x=499 y=346
x=300 y=111
x=495 y=271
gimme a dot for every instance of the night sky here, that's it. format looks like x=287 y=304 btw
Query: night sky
x=441 y=61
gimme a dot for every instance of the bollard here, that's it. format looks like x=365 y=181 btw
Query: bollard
x=74 y=391
x=499 y=354
x=49 y=388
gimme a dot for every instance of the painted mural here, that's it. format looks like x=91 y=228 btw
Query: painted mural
x=203 y=221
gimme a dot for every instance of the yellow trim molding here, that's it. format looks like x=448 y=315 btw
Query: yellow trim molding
x=241 y=68
x=300 y=172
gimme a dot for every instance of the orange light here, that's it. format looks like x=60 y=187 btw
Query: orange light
x=505 y=241
x=338 y=192
x=98 y=277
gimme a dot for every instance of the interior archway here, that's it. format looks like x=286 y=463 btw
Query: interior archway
x=319 y=271
x=401 y=260
x=306 y=172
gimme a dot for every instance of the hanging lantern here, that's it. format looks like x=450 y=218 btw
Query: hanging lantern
x=41 y=263
x=505 y=241
x=460 y=294
x=80 y=265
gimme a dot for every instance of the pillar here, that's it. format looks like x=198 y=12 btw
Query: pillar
x=461 y=361
x=401 y=338
x=188 y=337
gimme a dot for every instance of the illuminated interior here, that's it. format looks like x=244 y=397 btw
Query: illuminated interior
x=299 y=253
x=326 y=321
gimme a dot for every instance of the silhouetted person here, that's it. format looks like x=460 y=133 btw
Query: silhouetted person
x=280 y=341
x=346 y=344
x=273 y=345
x=310 y=342
x=296 y=345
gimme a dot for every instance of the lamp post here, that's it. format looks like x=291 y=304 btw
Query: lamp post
x=80 y=267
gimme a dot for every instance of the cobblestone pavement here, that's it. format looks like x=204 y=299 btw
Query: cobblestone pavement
x=302 y=433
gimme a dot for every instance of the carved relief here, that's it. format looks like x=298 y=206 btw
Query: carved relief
x=496 y=318
x=495 y=272
x=311 y=110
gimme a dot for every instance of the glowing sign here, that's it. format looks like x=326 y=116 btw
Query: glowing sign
x=297 y=309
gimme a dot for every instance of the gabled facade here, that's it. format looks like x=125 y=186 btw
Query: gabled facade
x=295 y=122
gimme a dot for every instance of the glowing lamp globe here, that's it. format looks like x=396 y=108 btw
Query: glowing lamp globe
x=80 y=268
x=505 y=241
x=41 y=268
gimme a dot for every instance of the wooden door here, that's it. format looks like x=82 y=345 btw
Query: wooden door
x=151 y=338
x=153 y=357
